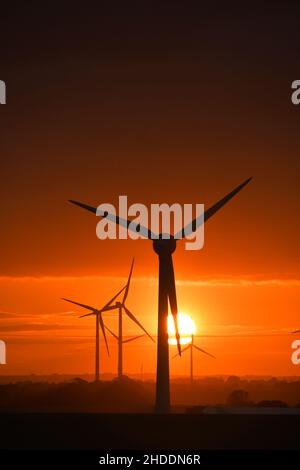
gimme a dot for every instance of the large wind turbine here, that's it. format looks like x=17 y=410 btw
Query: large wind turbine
x=122 y=307
x=191 y=346
x=99 y=321
x=164 y=248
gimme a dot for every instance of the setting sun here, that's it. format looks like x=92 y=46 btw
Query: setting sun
x=187 y=328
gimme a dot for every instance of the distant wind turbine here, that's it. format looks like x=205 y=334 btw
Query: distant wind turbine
x=164 y=248
x=191 y=346
x=120 y=349
x=99 y=321
x=122 y=307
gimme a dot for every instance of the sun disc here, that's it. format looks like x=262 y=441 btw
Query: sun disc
x=186 y=326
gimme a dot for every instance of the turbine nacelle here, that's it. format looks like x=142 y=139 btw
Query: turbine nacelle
x=165 y=245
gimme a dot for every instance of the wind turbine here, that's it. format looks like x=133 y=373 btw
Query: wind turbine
x=120 y=349
x=164 y=248
x=99 y=321
x=191 y=346
x=120 y=306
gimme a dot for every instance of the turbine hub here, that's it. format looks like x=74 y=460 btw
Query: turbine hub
x=164 y=246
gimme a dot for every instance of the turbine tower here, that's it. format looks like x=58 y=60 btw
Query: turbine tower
x=99 y=322
x=191 y=346
x=164 y=248
x=121 y=307
x=120 y=349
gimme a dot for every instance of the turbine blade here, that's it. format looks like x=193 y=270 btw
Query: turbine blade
x=203 y=351
x=88 y=307
x=133 y=318
x=144 y=231
x=132 y=339
x=111 y=332
x=173 y=298
x=83 y=206
x=128 y=282
x=89 y=314
x=101 y=323
x=211 y=211
x=182 y=351
x=108 y=308
x=111 y=300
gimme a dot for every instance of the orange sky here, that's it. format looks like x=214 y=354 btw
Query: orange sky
x=45 y=335
x=161 y=106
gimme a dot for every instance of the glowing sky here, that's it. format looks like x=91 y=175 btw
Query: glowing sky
x=162 y=106
x=45 y=336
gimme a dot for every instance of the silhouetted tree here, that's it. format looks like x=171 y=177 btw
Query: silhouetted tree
x=238 y=398
x=233 y=381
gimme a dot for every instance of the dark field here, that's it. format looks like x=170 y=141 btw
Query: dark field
x=147 y=431
x=117 y=415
